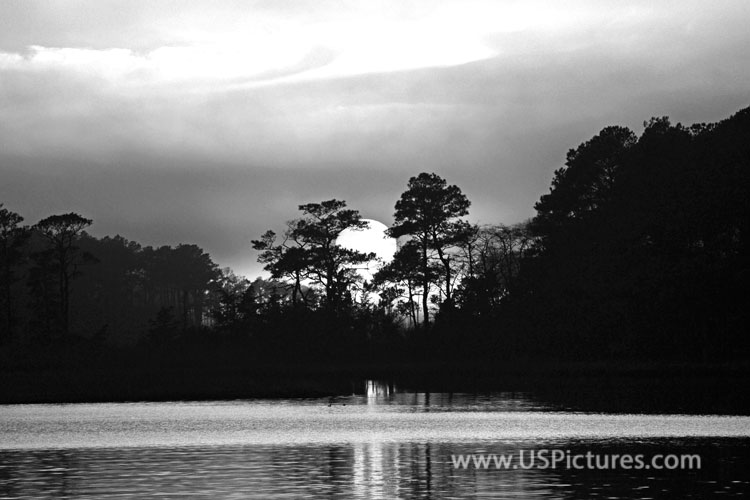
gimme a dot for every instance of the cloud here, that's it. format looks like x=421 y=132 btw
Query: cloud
x=201 y=48
x=129 y=71
x=279 y=52
x=173 y=122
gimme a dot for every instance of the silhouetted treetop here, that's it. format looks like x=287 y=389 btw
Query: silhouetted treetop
x=309 y=251
x=428 y=206
x=642 y=240
x=429 y=211
x=585 y=185
x=64 y=228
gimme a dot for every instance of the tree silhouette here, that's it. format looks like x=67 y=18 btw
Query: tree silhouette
x=13 y=237
x=163 y=328
x=235 y=307
x=61 y=232
x=180 y=277
x=286 y=260
x=428 y=211
x=405 y=270
x=330 y=264
x=309 y=250
x=642 y=243
x=494 y=254
x=582 y=190
x=110 y=292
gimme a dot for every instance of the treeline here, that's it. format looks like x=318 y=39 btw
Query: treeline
x=60 y=283
x=639 y=250
x=642 y=246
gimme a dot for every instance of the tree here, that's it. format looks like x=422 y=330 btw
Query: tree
x=110 y=292
x=163 y=328
x=642 y=243
x=429 y=211
x=405 y=273
x=287 y=260
x=494 y=254
x=310 y=251
x=330 y=264
x=582 y=190
x=180 y=277
x=235 y=306
x=61 y=232
x=13 y=237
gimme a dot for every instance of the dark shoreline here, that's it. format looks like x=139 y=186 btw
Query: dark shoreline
x=637 y=387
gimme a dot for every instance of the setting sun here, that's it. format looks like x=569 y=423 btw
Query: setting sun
x=372 y=239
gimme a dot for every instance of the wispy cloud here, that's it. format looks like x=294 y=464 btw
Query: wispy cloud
x=252 y=61
x=278 y=43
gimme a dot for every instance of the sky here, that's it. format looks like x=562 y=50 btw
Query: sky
x=209 y=122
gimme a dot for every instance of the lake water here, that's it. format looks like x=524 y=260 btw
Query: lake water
x=380 y=445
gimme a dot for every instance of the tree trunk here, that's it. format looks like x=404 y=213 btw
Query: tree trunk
x=425 y=286
x=447 y=264
x=412 y=309
x=446 y=260
x=296 y=288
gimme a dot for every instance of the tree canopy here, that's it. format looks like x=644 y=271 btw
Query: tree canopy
x=429 y=212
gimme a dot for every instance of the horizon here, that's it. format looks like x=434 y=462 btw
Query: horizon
x=140 y=117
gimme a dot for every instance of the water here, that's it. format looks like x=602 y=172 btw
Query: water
x=385 y=444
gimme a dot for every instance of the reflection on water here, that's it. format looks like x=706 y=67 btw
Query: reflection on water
x=375 y=389
x=379 y=393
x=381 y=443
x=359 y=471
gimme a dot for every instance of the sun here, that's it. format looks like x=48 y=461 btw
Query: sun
x=370 y=239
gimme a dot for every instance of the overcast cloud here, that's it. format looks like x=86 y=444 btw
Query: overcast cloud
x=208 y=123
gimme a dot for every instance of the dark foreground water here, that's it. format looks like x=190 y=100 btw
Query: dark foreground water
x=384 y=444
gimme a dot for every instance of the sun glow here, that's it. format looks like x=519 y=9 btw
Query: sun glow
x=372 y=239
